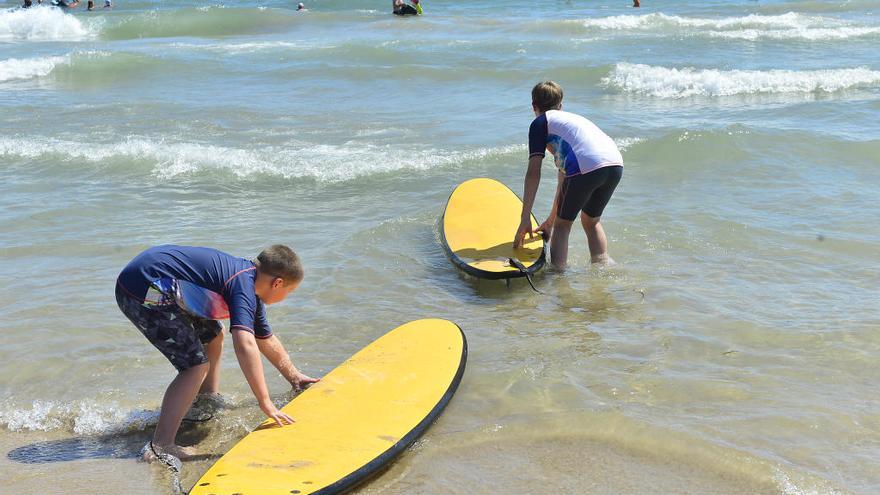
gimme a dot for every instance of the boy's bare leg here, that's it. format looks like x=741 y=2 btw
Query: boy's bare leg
x=213 y=350
x=596 y=240
x=559 y=243
x=178 y=398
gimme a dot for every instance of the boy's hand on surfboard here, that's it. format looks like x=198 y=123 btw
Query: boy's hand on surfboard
x=525 y=227
x=273 y=413
x=302 y=381
x=545 y=228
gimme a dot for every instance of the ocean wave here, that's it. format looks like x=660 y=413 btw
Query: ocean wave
x=81 y=417
x=663 y=82
x=660 y=21
x=321 y=162
x=625 y=143
x=43 y=24
x=741 y=142
x=789 y=26
x=820 y=6
x=235 y=48
x=818 y=34
x=114 y=65
x=13 y=68
x=203 y=21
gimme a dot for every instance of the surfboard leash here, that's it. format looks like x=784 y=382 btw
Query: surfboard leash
x=173 y=464
x=522 y=269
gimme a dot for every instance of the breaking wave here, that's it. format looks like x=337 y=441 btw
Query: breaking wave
x=43 y=24
x=789 y=26
x=663 y=82
x=322 y=162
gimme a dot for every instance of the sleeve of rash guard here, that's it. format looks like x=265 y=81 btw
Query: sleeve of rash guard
x=262 y=330
x=246 y=311
x=538 y=136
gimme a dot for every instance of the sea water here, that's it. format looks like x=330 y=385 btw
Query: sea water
x=733 y=348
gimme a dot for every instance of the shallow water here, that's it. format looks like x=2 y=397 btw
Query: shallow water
x=733 y=349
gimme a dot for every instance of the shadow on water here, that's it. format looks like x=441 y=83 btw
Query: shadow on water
x=118 y=446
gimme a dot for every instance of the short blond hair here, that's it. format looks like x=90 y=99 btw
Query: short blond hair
x=280 y=261
x=547 y=95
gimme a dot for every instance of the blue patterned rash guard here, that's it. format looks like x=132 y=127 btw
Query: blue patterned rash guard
x=205 y=282
x=578 y=145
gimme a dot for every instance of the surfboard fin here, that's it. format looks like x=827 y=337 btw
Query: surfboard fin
x=519 y=266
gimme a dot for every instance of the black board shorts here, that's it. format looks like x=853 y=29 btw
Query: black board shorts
x=406 y=10
x=179 y=336
x=588 y=192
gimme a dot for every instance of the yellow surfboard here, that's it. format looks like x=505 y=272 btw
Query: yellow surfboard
x=477 y=231
x=353 y=422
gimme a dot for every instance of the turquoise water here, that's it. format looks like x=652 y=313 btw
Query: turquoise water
x=733 y=349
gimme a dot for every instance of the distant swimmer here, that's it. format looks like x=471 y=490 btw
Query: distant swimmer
x=301 y=8
x=636 y=3
x=590 y=167
x=108 y=4
x=63 y=4
x=27 y=4
x=400 y=8
x=90 y=5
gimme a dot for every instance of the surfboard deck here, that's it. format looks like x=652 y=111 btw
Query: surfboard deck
x=477 y=229
x=353 y=422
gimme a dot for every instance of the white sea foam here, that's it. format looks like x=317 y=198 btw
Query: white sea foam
x=660 y=21
x=323 y=162
x=252 y=47
x=625 y=142
x=787 y=486
x=788 y=26
x=666 y=82
x=13 y=68
x=43 y=24
x=81 y=417
x=17 y=69
x=817 y=34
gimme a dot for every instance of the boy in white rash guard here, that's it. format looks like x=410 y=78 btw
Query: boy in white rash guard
x=590 y=167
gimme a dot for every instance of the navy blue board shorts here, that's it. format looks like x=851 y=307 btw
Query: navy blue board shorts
x=179 y=336
x=588 y=193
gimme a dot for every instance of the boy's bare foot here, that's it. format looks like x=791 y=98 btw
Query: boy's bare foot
x=181 y=453
x=603 y=260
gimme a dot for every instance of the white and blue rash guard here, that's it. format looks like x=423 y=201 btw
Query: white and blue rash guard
x=578 y=145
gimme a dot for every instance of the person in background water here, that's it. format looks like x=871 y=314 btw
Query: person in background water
x=400 y=8
x=90 y=5
x=301 y=8
x=27 y=4
x=636 y=3
x=108 y=4
x=590 y=167
x=62 y=4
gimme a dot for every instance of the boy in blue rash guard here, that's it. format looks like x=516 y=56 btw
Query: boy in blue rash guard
x=175 y=294
x=590 y=167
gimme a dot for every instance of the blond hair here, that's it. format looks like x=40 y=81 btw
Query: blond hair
x=547 y=95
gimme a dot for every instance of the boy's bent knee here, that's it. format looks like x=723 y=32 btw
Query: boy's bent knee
x=589 y=221
x=563 y=224
x=197 y=369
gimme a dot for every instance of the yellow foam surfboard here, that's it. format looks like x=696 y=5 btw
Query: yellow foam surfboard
x=478 y=227
x=353 y=422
